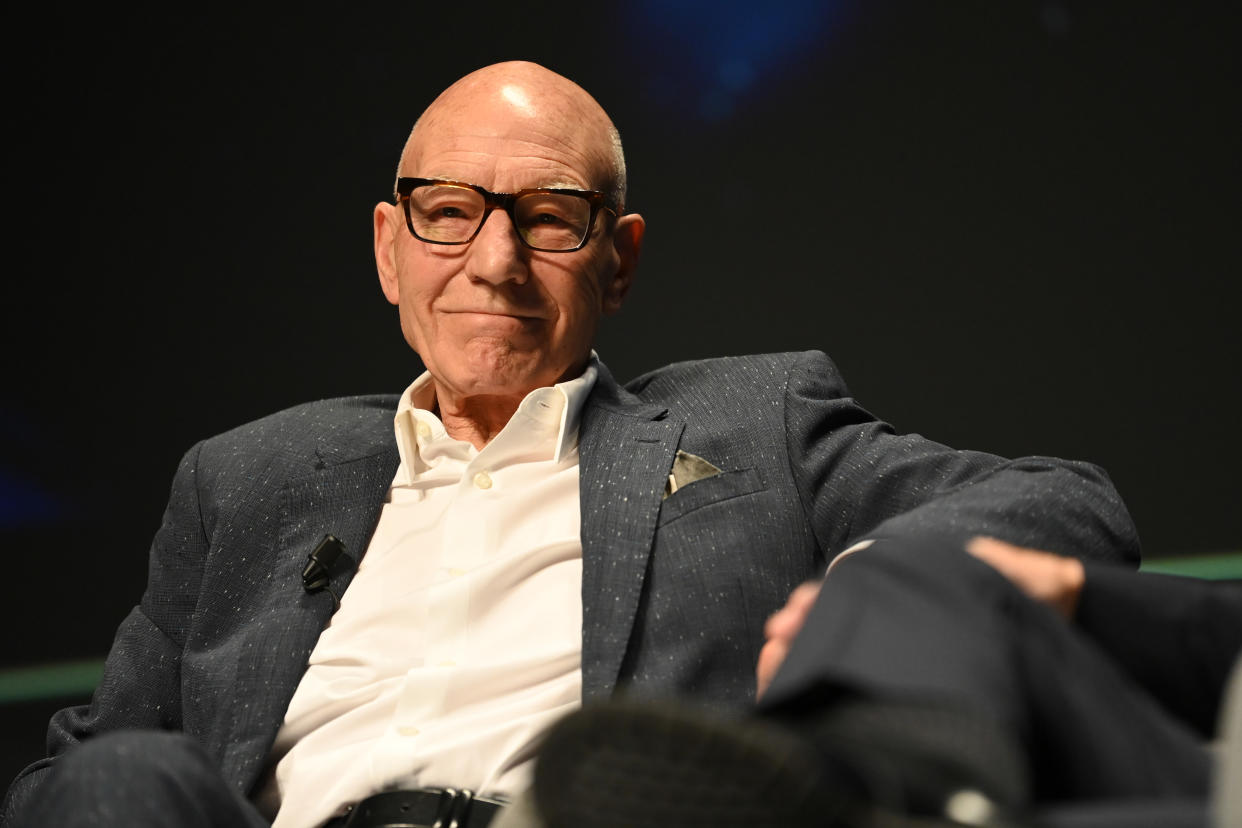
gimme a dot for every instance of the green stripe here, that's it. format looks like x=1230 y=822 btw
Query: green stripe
x=1216 y=566
x=61 y=680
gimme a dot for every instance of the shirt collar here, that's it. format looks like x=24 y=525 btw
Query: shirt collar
x=555 y=408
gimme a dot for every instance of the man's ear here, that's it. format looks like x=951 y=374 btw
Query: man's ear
x=388 y=223
x=627 y=239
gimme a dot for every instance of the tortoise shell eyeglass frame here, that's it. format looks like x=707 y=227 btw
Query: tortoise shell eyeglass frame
x=503 y=201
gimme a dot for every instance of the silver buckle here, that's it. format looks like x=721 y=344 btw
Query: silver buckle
x=454 y=806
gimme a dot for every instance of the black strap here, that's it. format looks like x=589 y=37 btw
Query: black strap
x=425 y=808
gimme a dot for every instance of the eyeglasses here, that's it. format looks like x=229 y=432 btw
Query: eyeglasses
x=449 y=212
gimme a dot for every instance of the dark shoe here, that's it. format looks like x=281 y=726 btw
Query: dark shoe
x=628 y=765
x=924 y=760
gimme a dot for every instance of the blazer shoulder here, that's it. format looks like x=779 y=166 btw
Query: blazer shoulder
x=732 y=374
x=340 y=428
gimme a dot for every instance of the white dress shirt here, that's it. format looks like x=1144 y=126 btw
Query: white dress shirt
x=459 y=640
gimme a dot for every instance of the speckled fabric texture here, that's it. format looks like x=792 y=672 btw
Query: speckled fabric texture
x=675 y=590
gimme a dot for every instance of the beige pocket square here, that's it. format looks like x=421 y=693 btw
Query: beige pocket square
x=688 y=468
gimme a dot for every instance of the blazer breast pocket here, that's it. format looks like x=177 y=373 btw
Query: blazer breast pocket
x=715 y=489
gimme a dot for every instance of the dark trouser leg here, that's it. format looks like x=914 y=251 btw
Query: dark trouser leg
x=139 y=778
x=921 y=623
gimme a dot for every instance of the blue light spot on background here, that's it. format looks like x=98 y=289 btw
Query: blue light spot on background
x=24 y=503
x=705 y=60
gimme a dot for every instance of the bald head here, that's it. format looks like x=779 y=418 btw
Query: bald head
x=494 y=317
x=521 y=100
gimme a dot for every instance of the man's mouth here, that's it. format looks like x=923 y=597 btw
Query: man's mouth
x=498 y=314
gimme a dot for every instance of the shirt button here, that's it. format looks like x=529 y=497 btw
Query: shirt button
x=457 y=573
x=483 y=480
x=408 y=731
x=424 y=430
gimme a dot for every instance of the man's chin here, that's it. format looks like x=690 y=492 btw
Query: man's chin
x=499 y=372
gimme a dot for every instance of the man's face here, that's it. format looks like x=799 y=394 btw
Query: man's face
x=494 y=317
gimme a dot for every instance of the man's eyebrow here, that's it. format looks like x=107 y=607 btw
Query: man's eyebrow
x=555 y=184
x=569 y=185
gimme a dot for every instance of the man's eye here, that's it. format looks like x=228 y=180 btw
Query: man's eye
x=450 y=212
x=548 y=218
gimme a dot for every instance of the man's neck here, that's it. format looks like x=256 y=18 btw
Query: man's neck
x=476 y=420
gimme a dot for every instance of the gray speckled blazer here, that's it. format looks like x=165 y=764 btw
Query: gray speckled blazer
x=675 y=591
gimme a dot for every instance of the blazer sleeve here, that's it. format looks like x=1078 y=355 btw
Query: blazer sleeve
x=1177 y=637
x=860 y=480
x=140 y=687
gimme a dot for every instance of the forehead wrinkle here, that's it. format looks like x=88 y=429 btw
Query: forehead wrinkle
x=576 y=167
x=529 y=164
x=582 y=148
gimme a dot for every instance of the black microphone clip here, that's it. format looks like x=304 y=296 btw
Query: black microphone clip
x=329 y=559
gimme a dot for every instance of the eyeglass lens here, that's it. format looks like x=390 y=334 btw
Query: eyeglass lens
x=550 y=221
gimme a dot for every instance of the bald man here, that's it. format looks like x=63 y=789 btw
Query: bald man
x=515 y=533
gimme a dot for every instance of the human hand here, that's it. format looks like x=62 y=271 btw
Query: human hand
x=781 y=629
x=1055 y=580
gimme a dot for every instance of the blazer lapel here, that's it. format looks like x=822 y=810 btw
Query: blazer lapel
x=341 y=496
x=626 y=450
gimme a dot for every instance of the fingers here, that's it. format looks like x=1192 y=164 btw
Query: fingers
x=997 y=552
x=781 y=629
x=771 y=657
x=787 y=621
x=1053 y=579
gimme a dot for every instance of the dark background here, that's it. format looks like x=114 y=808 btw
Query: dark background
x=1014 y=225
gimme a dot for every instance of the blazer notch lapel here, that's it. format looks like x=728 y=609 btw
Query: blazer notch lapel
x=624 y=462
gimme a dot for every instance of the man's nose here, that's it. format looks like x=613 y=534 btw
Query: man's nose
x=496 y=254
